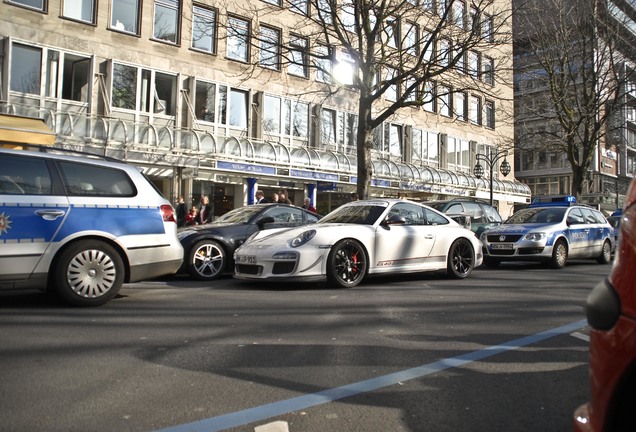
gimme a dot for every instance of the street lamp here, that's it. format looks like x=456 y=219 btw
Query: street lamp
x=491 y=161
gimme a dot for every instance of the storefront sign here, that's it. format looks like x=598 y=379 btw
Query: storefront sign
x=243 y=167
x=313 y=175
x=327 y=186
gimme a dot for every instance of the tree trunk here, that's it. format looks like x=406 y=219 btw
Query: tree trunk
x=364 y=144
x=578 y=177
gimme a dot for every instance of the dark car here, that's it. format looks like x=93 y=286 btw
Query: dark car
x=611 y=314
x=209 y=248
x=483 y=216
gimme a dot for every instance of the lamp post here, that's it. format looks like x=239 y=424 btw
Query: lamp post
x=491 y=161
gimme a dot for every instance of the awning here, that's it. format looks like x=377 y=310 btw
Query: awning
x=16 y=130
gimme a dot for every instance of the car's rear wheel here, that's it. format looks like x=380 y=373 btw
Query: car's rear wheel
x=461 y=259
x=606 y=253
x=206 y=260
x=559 y=255
x=347 y=264
x=88 y=273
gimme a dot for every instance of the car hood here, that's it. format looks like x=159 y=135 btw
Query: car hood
x=332 y=231
x=518 y=228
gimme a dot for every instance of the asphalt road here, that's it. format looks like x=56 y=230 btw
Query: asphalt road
x=503 y=350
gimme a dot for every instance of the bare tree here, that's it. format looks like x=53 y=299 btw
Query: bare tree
x=396 y=51
x=569 y=68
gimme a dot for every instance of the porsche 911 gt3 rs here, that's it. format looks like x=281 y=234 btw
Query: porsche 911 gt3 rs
x=361 y=238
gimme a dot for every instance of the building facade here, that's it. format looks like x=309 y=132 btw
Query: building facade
x=182 y=90
x=547 y=170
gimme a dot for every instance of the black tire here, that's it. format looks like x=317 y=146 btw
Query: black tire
x=606 y=253
x=491 y=262
x=206 y=260
x=347 y=264
x=461 y=259
x=559 y=255
x=88 y=273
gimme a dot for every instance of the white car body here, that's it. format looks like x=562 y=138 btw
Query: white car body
x=399 y=236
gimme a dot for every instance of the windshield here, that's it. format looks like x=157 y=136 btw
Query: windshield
x=239 y=215
x=361 y=214
x=538 y=215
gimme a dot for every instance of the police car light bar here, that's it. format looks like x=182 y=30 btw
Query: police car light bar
x=553 y=200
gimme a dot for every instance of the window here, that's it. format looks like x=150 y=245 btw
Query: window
x=328 y=126
x=158 y=90
x=323 y=63
x=412 y=94
x=238 y=108
x=474 y=110
x=391 y=93
x=461 y=60
x=490 y=114
x=458 y=154
x=392 y=32
x=411 y=35
x=91 y=180
x=237 y=39
x=428 y=5
x=324 y=11
x=299 y=6
x=473 y=64
x=270 y=48
x=487 y=28
x=488 y=75
x=24 y=176
x=298 y=56
x=413 y=214
x=125 y=16
x=296 y=118
x=396 y=138
x=460 y=105
x=473 y=20
x=26 y=67
x=204 y=29
x=445 y=52
x=79 y=10
x=274 y=2
x=34 y=4
x=271 y=114
x=442 y=7
x=428 y=45
x=443 y=97
x=459 y=12
x=205 y=101
x=166 y=24
x=75 y=72
x=348 y=16
x=424 y=147
x=429 y=96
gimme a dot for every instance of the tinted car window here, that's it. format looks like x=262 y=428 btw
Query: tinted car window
x=413 y=214
x=576 y=217
x=433 y=218
x=285 y=214
x=24 y=176
x=475 y=211
x=89 y=180
x=492 y=214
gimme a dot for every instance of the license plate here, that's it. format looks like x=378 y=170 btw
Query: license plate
x=246 y=259
x=506 y=246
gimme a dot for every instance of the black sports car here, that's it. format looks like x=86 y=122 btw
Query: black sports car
x=209 y=248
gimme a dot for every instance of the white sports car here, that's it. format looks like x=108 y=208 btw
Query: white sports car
x=360 y=238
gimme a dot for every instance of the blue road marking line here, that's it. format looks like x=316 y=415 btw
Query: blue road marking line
x=251 y=415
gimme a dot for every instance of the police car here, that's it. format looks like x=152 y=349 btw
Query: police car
x=81 y=226
x=550 y=232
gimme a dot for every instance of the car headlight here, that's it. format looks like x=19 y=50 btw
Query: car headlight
x=302 y=238
x=535 y=236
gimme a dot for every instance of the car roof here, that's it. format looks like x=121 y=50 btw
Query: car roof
x=68 y=155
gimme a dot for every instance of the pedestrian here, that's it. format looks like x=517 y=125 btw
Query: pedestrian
x=182 y=211
x=260 y=197
x=307 y=205
x=353 y=197
x=205 y=211
x=283 y=198
x=192 y=216
x=274 y=198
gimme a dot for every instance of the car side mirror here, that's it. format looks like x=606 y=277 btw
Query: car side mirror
x=267 y=219
x=395 y=220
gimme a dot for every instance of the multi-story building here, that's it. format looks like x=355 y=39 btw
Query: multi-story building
x=181 y=89
x=545 y=168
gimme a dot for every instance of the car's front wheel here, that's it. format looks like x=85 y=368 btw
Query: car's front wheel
x=88 y=273
x=461 y=259
x=347 y=264
x=606 y=253
x=559 y=255
x=206 y=260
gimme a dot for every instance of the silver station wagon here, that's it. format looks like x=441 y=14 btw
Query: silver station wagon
x=81 y=226
x=550 y=234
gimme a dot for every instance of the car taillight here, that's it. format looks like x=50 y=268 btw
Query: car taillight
x=167 y=212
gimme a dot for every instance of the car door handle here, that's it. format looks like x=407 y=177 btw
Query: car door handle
x=429 y=236
x=49 y=214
